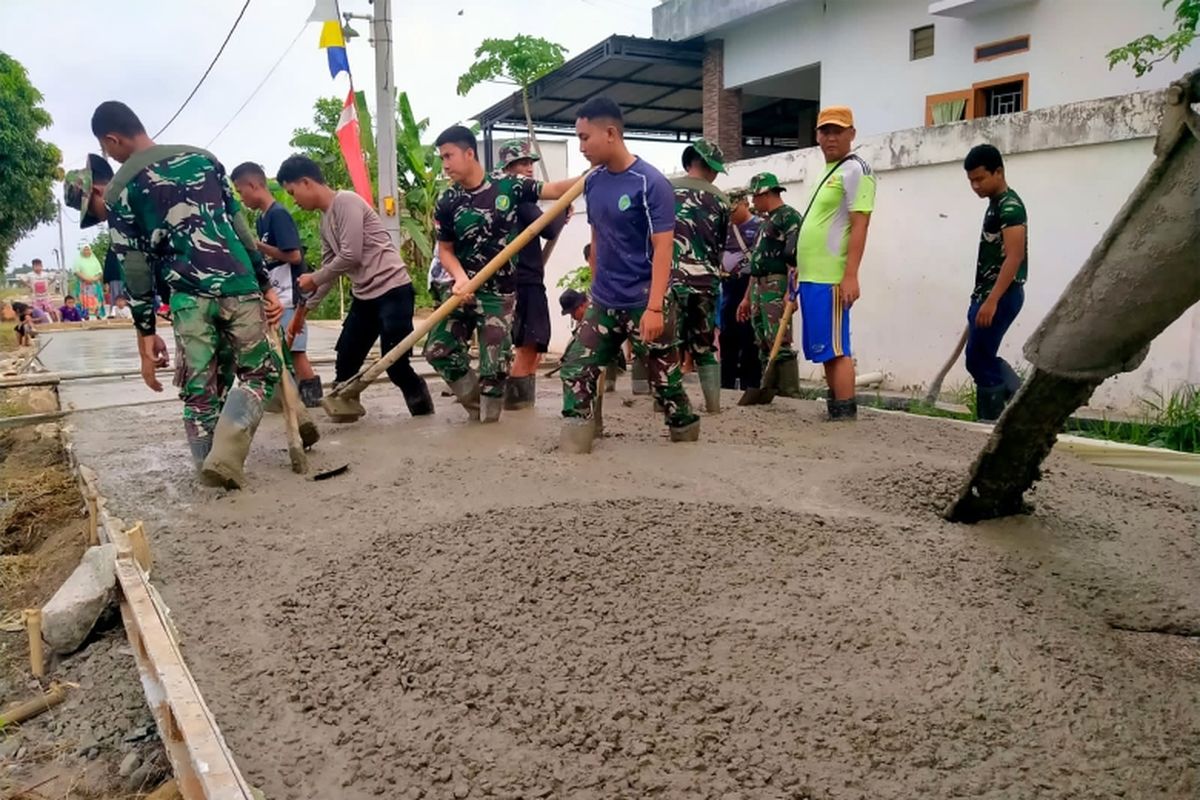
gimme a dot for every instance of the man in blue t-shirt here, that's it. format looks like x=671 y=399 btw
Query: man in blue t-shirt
x=631 y=208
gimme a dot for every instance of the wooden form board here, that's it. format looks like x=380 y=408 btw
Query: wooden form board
x=203 y=764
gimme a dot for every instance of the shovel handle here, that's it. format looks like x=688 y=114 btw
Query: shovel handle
x=785 y=322
x=356 y=384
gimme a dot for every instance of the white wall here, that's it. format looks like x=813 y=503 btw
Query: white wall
x=918 y=270
x=863 y=48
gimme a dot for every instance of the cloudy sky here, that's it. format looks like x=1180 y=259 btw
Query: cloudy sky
x=150 y=54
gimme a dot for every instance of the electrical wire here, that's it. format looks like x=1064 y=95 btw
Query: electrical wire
x=212 y=64
x=258 y=88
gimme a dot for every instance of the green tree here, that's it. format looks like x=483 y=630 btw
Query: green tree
x=520 y=60
x=28 y=166
x=1146 y=51
x=100 y=245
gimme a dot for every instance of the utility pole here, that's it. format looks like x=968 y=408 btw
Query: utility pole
x=61 y=247
x=385 y=119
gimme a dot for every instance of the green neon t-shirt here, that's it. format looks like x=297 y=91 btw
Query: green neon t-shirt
x=825 y=232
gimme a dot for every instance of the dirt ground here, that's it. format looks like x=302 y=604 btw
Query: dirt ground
x=76 y=750
x=775 y=612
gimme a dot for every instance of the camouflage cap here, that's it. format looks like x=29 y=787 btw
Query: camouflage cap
x=765 y=182
x=738 y=195
x=515 y=150
x=77 y=188
x=711 y=154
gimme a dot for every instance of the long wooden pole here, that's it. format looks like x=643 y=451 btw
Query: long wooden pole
x=355 y=385
x=935 y=387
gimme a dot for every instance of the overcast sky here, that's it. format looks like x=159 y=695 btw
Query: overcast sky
x=150 y=55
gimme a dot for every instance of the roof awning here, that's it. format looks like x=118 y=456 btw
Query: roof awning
x=657 y=84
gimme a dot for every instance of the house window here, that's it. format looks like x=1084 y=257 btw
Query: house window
x=1004 y=96
x=1007 y=47
x=921 y=43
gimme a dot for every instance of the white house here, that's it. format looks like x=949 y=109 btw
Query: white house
x=927 y=80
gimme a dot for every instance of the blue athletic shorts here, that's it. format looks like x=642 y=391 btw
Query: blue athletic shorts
x=825 y=322
x=300 y=343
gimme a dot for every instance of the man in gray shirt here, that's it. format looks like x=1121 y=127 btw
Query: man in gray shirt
x=354 y=243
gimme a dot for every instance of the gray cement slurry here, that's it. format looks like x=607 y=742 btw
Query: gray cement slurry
x=777 y=611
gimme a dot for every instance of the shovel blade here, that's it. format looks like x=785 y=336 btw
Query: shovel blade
x=763 y=395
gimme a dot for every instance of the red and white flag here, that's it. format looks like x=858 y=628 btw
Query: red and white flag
x=351 y=144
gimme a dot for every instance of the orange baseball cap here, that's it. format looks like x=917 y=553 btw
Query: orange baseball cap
x=841 y=116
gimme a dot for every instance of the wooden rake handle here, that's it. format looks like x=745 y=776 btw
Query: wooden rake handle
x=356 y=384
x=785 y=323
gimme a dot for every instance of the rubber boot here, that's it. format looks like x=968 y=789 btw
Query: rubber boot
x=842 y=410
x=610 y=378
x=577 y=436
x=419 y=403
x=490 y=408
x=274 y=404
x=200 y=447
x=710 y=385
x=641 y=376
x=231 y=438
x=466 y=389
x=787 y=374
x=1012 y=381
x=990 y=402
x=686 y=433
x=311 y=392
x=519 y=393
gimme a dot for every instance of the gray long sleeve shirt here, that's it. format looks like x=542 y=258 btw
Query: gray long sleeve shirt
x=354 y=243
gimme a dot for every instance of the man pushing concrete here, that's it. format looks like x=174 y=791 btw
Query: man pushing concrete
x=631 y=207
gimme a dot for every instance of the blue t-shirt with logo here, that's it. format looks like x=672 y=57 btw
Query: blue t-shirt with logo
x=625 y=209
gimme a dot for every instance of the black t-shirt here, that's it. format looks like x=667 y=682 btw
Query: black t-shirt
x=531 y=271
x=276 y=227
x=112 y=267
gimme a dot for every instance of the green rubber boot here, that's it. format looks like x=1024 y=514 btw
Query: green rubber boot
x=710 y=386
x=231 y=439
x=788 y=382
x=577 y=436
x=466 y=389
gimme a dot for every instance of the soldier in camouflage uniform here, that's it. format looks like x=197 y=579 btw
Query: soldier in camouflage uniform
x=764 y=302
x=476 y=218
x=701 y=225
x=173 y=217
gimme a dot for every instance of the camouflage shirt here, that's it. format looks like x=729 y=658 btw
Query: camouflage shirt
x=1005 y=211
x=777 y=235
x=479 y=222
x=701 y=226
x=174 y=220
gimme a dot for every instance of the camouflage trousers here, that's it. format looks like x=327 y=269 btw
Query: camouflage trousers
x=696 y=310
x=216 y=340
x=597 y=344
x=768 y=294
x=447 y=348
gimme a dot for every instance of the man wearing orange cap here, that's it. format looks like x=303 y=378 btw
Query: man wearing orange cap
x=833 y=236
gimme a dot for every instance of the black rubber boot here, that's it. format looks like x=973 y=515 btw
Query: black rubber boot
x=519 y=393
x=842 y=410
x=1012 y=381
x=419 y=403
x=311 y=392
x=686 y=433
x=577 y=436
x=466 y=389
x=231 y=438
x=787 y=378
x=710 y=386
x=990 y=402
x=641 y=376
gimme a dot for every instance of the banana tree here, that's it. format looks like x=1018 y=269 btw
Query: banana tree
x=520 y=61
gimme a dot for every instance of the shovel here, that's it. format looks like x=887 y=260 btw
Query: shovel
x=343 y=404
x=766 y=392
x=291 y=402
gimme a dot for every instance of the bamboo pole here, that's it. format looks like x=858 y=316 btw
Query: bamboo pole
x=29 y=709
x=37 y=657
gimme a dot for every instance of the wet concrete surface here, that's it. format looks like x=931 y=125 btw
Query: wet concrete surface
x=776 y=611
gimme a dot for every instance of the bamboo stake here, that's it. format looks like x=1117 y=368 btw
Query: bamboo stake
x=139 y=543
x=21 y=712
x=37 y=658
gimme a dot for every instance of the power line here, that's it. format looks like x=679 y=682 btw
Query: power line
x=212 y=64
x=258 y=88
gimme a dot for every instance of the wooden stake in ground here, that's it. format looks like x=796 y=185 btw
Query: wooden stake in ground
x=291 y=402
x=37 y=658
x=342 y=404
x=935 y=386
x=139 y=543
